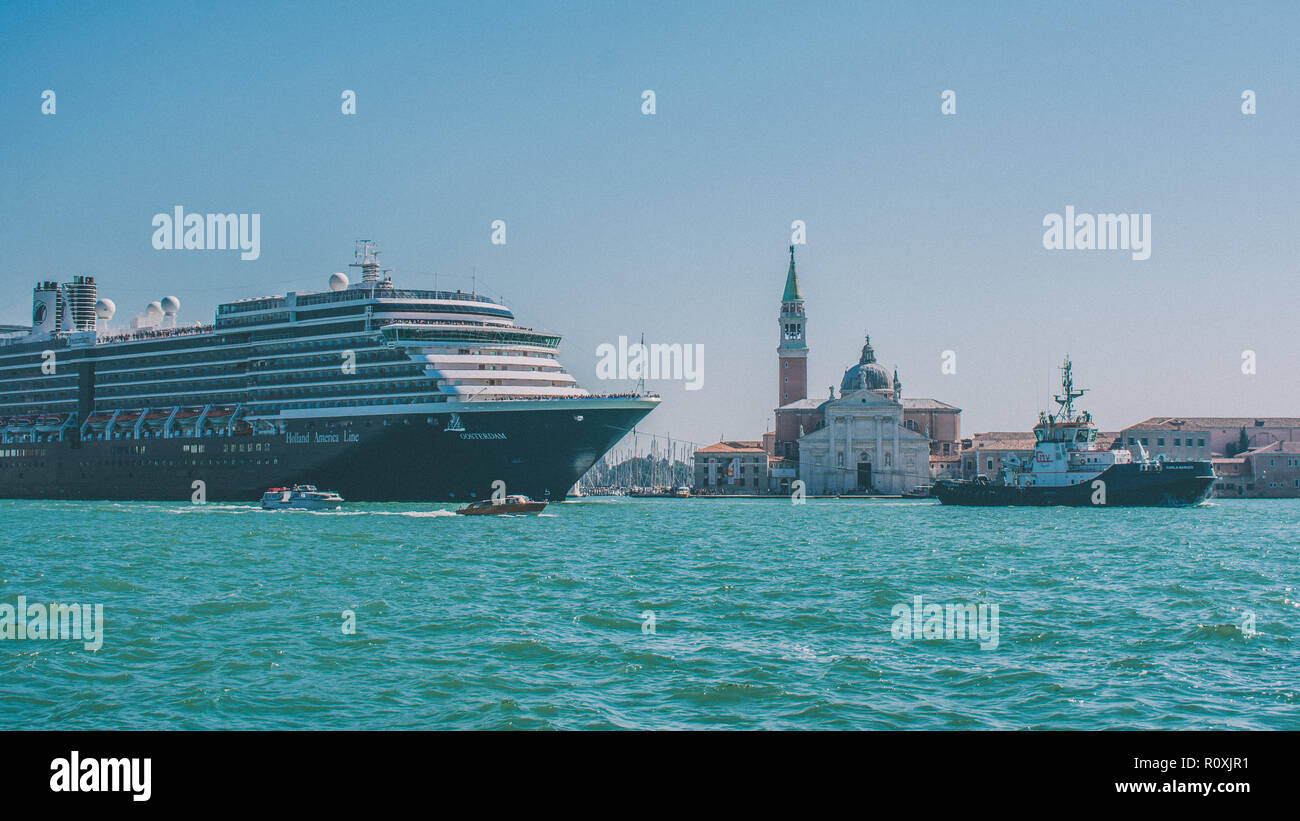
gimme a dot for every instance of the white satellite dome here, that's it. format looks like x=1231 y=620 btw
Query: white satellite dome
x=105 y=308
x=153 y=310
x=338 y=281
x=170 y=305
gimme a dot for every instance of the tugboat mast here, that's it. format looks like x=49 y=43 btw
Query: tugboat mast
x=1066 y=413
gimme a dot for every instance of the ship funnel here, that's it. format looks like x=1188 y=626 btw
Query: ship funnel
x=47 y=308
x=367 y=259
x=81 y=295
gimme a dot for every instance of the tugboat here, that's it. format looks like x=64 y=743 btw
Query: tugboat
x=1069 y=468
x=301 y=497
x=510 y=504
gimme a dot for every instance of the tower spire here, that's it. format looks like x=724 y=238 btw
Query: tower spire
x=792 y=292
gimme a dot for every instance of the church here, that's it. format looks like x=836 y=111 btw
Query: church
x=868 y=439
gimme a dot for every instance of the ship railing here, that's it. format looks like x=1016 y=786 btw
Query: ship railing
x=384 y=323
x=136 y=334
x=498 y=398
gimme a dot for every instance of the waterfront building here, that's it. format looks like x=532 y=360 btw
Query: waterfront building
x=1270 y=471
x=1201 y=437
x=945 y=466
x=732 y=466
x=938 y=421
x=982 y=454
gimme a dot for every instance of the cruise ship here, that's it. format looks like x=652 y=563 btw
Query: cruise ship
x=382 y=393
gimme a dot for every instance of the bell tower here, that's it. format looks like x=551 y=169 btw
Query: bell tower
x=792 y=353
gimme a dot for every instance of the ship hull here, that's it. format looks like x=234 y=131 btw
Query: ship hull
x=1172 y=484
x=538 y=451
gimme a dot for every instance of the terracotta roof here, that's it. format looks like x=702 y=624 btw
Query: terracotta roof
x=1201 y=422
x=1002 y=440
x=927 y=404
x=731 y=446
x=1275 y=447
x=1229 y=467
x=800 y=405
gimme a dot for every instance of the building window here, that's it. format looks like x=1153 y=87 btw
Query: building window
x=1178 y=443
x=1144 y=441
x=1200 y=443
x=1160 y=442
x=990 y=467
x=785 y=364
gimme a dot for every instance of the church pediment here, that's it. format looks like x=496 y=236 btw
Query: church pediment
x=865 y=398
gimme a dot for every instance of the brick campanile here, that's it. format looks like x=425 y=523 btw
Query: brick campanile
x=792 y=357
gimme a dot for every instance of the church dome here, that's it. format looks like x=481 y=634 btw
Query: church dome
x=868 y=373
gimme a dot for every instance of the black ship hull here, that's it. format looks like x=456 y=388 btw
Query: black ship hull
x=1168 y=484
x=538 y=451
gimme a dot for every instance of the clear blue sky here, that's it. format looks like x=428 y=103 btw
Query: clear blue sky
x=923 y=229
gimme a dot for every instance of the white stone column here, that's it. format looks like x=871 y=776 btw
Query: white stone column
x=850 y=457
x=880 y=453
x=898 y=466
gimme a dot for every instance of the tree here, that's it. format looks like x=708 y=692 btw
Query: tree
x=1241 y=446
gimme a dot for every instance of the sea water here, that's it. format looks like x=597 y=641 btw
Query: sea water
x=675 y=613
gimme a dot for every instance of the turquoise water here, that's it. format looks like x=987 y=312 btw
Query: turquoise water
x=766 y=615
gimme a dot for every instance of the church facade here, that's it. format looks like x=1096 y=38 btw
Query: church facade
x=867 y=439
x=863 y=443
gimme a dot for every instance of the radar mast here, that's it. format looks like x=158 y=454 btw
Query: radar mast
x=1066 y=401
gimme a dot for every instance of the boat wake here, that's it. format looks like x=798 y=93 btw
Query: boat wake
x=412 y=514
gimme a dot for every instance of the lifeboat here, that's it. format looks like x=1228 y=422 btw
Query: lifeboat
x=50 y=423
x=187 y=418
x=97 y=421
x=220 y=414
x=243 y=429
x=154 y=420
x=21 y=424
